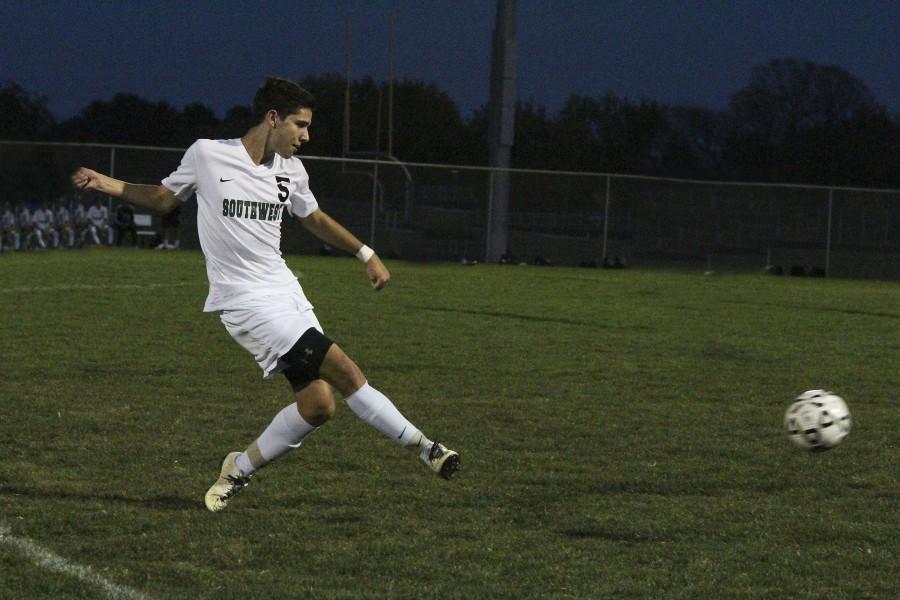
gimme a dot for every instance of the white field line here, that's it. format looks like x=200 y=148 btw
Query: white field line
x=75 y=287
x=52 y=562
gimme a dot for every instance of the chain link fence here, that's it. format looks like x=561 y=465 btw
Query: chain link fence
x=439 y=212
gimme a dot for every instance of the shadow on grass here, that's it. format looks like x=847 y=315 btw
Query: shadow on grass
x=510 y=315
x=584 y=532
x=152 y=502
x=786 y=305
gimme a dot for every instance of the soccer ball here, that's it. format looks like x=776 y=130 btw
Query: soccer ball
x=817 y=420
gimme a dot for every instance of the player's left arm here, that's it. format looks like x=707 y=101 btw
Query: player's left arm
x=334 y=234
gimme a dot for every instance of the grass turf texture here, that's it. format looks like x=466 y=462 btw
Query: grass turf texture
x=620 y=433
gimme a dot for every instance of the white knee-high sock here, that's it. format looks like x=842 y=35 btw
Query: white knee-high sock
x=374 y=408
x=284 y=433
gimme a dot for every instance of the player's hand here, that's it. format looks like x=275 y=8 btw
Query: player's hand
x=377 y=272
x=88 y=179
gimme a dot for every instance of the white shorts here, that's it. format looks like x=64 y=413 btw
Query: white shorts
x=269 y=326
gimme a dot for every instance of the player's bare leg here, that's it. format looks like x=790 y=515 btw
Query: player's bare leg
x=313 y=406
x=377 y=410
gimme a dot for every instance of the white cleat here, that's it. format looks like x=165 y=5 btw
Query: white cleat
x=229 y=483
x=442 y=461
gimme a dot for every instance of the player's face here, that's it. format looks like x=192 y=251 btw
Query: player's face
x=291 y=132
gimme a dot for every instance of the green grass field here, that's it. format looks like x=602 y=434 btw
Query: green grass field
x=620 y=433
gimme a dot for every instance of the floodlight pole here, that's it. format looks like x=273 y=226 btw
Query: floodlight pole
x=391 y=52
x=346 y=140
x=501 y=127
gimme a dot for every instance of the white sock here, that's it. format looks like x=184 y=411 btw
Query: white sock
x=284 y=433
x=374 y=408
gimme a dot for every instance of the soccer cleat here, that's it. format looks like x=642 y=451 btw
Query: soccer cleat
x=442 y=461
x=229 y=483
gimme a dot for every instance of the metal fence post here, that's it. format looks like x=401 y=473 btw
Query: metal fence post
x=490 y=211
x=374 y=204
x=112 y=173
x=606 y=218
x=375 y=169
x=828 y=232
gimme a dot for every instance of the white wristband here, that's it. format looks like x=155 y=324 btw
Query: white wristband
x=365 y=253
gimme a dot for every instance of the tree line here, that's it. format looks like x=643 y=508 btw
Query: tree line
x=794 y=121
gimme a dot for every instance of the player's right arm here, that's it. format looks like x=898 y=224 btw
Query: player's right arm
x=153 y=197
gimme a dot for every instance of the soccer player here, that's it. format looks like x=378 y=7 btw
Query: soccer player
x=125 y=224
x=23 y=222
x=171 y=222
x=79 y=221
x=42 y=224
x=9 y=232
x=244 y=187
x=62 y=220
x=98 y=222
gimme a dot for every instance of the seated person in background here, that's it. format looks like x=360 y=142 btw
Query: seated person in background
x=42 y=225
x=79 y=221
x=125 y=223
x=98 y=223
x=62 y=220
x=23 y=222
x=170 y=223
x=9 y=232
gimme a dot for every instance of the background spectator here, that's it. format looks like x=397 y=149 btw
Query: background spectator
x=170 y=222
x=62 y=220
x=98 y=223
x=9 y=231
x=23 y=222
x=124 y=222
x=79 y=221
x=42 y=226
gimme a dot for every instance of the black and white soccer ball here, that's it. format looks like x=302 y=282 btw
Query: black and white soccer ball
x=817 y=420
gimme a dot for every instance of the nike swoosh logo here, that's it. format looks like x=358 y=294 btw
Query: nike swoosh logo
x=224 y=180
x=401 y=433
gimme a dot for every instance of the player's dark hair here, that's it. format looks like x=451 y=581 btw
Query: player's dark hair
x=282 y=95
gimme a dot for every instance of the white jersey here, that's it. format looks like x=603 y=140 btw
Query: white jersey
x=42 y=219
x=97 y=215
x=78 y=214
x=61 y=217
x=24 y=217
x=240 y=206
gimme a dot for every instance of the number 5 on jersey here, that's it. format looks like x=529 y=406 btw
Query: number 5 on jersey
x=283 y=192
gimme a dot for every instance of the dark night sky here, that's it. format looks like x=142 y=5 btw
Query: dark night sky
x=677 y=52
